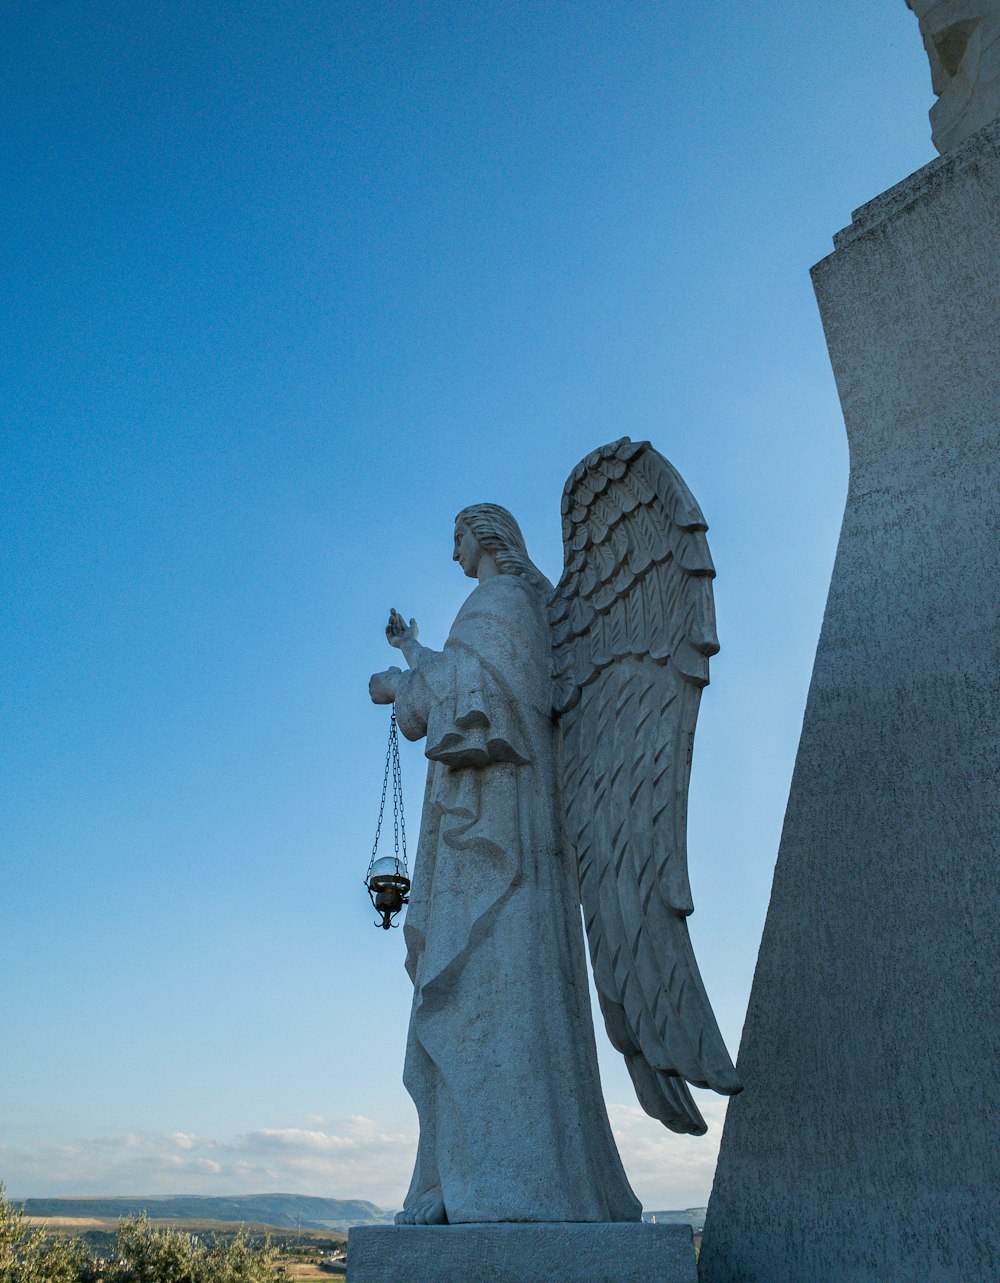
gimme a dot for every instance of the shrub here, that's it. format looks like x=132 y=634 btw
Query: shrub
x=141 y=1255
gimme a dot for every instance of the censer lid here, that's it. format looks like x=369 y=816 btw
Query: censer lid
x=387 y=866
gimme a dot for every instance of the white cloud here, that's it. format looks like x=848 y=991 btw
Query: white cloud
x=348 y=1158
x=294 y=1138
x=668 y=1170
x=354 y=1157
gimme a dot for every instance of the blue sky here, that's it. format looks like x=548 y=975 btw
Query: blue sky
x=284 y=287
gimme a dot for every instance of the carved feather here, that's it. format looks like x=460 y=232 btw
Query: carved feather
x=633 y=628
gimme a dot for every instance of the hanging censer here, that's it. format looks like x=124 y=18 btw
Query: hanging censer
x=388 y=880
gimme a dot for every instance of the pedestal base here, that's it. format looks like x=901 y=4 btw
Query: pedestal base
x=520 y=1253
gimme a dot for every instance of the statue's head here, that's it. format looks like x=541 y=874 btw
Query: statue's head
x=962 y=40
x=486 y=527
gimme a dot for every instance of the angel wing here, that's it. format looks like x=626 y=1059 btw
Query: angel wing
x=633 y=625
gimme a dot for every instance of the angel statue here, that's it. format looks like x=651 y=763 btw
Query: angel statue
x=559 y=725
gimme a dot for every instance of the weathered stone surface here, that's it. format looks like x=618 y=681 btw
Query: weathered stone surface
x=864 y=1146
x=962 y=39
x=508 y=1253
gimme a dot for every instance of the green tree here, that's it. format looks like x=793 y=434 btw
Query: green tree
x=141 y=1255
x=65 y=1260
x=27 y=1255
x=20 y=1245
x=239 y=1262
x=147 y=1255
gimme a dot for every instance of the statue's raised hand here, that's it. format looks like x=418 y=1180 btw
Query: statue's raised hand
x=403 y=636
x=398 y=632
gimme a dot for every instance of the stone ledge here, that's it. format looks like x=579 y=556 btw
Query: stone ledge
x=920 y=185
x=521 y=1253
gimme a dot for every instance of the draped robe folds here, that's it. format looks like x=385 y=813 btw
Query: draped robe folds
x=500 y=1061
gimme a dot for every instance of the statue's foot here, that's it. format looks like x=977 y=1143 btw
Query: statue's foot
x=426 y=1209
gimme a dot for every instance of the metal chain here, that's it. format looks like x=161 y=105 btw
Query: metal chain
x=399 y=787
x=395 y=791
x=385 y=785
x=398 y=822
x=398 y=819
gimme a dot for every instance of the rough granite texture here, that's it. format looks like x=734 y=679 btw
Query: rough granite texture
x=509 y=1253
x=865 y=1144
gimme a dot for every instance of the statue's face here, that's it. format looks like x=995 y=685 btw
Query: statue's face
x=467 y=549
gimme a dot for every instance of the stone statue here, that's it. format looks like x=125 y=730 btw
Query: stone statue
x=962 y=39
x=559 y=726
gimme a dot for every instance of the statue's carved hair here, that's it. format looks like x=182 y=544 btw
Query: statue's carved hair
x=497 y=531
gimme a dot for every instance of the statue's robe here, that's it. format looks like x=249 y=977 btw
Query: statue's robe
x=500 y=1059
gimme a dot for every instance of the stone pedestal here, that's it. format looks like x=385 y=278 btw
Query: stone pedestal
x=865 y=1144
x=509 y=1253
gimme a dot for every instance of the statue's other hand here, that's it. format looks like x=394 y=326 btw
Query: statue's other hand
x=397 y=631
x=382 y=687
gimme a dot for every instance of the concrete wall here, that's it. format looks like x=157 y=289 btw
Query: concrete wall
x=866 y=1145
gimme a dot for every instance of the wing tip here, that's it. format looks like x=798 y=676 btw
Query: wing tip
x=665 y=1097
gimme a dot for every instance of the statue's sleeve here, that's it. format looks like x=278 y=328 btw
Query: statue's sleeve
x=414 y=697
x=466 y=699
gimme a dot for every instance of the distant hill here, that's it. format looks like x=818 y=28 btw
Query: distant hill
x=693 y=1216
x=281 y=1210
x=271 y=1209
